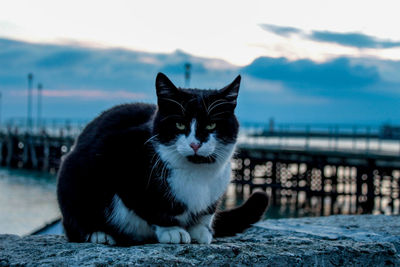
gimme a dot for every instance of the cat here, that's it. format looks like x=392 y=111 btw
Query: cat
x=141 y=173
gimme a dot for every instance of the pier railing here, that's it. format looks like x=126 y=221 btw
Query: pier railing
x=383 y=139
x=385 y=131
x=57 y=127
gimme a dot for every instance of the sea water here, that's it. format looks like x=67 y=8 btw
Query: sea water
x=27 y=201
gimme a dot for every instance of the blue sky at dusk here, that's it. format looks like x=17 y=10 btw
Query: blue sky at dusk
x=295 y=69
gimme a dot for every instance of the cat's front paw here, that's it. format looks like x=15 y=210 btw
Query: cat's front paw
x=101 y=238
x=201 y=234
x=172 y=235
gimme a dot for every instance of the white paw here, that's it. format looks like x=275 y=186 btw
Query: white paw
x=101 y=238
x=172 y=235
x=201 y=234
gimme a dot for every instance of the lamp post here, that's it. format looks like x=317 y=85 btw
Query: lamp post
x=39 y=106
x=188 y=67
x=0 y=107
x=29 y=115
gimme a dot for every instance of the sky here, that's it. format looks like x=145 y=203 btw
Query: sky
x=302 y=61
x=230 y=30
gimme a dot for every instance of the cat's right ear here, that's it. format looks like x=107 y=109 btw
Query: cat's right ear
x=164 y=86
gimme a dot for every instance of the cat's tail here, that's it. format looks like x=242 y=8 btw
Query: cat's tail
x=236 y=220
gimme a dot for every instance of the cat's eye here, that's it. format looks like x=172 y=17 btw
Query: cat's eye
x=211 y=126
x=180 y=126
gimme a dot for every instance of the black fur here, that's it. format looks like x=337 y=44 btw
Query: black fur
x=241 y=217
x=115 y=155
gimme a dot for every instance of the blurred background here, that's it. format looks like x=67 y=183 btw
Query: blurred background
x=318 y=104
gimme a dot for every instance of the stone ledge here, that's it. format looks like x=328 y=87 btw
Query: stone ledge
x=364 y=240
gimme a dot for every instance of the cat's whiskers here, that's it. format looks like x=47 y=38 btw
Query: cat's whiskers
x=219 y=104
x=213 y=103
x=153 y=168
x=218 y=156
x=164 y=171
x=215 y=116
x=163 y=167
x=204 y=104
x=171 y=116
x=222 y=155
x=176 y=102
x=150 y=139
x=170 y=154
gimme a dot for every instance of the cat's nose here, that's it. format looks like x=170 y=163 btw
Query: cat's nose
x=195 y=146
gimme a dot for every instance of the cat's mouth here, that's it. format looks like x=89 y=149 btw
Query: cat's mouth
x=201 y=159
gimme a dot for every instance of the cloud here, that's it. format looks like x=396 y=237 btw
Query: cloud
x=63 y=59
x=94 y=77
x=80 y=82
x=65 y=67
x=280 y=30
x=267 y=91
x=350 y=39
x=358 y=40
x=331 y=77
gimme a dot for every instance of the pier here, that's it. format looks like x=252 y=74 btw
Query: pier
x=310 y=170
x=322 y=171
x=37 y=148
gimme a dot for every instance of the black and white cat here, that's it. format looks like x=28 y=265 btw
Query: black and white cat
x=145 y=173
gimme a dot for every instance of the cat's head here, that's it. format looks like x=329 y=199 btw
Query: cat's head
x=195 y=126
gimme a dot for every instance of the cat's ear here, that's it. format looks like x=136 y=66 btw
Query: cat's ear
x=164 y=86
x=231 y=91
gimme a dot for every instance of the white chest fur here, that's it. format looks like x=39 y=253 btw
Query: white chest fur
x=199 y=187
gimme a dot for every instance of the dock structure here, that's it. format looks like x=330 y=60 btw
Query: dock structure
x=317 y=171
x=322 y=172
x=33 y=152
x=37 y=148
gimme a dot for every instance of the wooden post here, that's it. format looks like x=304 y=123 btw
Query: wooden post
x=29 y=114
x=39 y=107
x=188 y=68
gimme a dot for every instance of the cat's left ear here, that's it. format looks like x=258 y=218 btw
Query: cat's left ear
x=231 y=91
x=164 y=86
